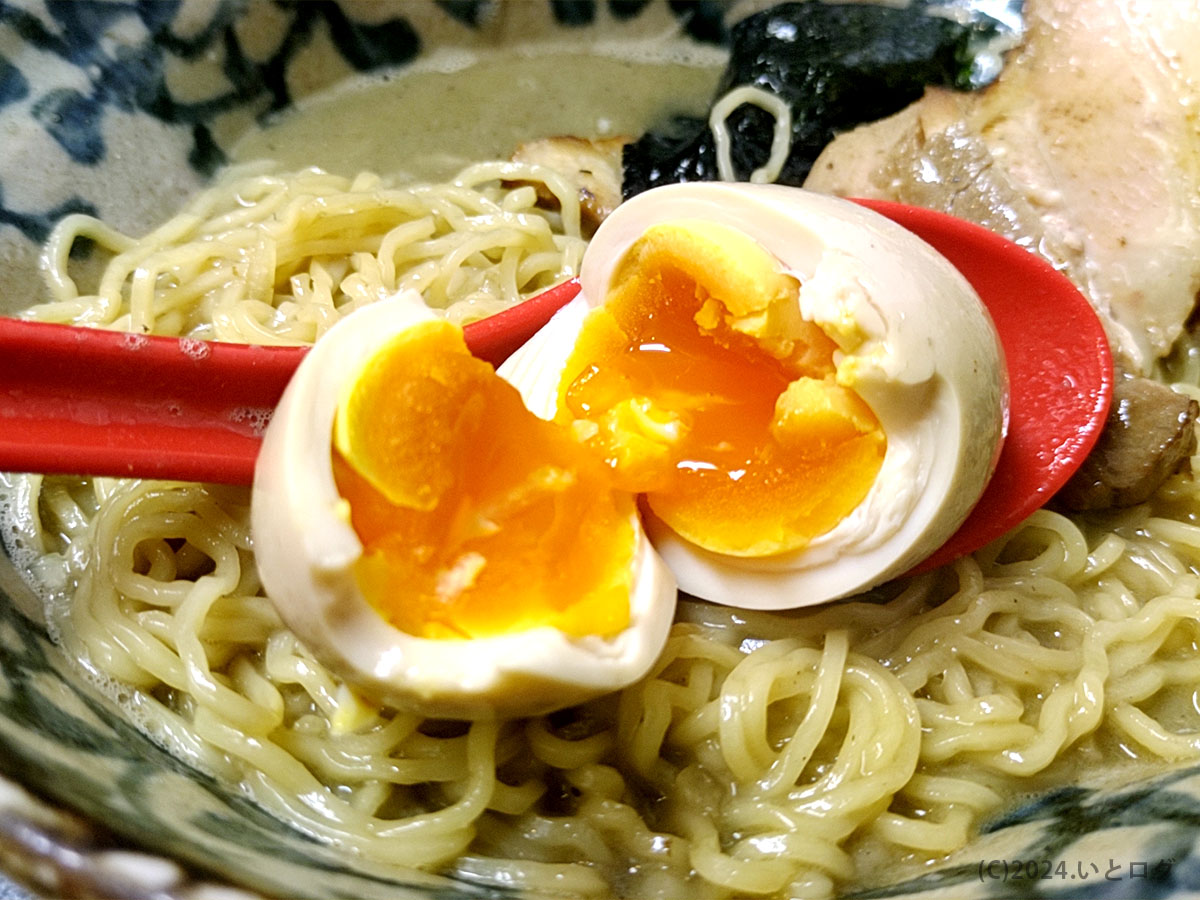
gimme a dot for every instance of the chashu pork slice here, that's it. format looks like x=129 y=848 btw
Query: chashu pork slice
x=1086 y=150
x=589 y=167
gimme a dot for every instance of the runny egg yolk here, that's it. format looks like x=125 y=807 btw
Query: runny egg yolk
x=700 y=384
x=476 y=518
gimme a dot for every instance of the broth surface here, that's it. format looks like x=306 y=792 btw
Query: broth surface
x=461 y=108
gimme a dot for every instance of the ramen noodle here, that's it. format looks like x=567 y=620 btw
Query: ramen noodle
x=785 y=754
x=781 y=134
x=272 y=259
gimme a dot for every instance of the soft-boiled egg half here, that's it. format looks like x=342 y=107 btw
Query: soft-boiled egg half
x=807 y=397
x=438 y=545
x=788 y=397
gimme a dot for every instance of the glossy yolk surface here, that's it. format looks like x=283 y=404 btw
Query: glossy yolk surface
x=702 y=387
x=476 y=517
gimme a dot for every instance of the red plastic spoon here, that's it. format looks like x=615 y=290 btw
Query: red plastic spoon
x=81 y=400
x=1060 y=370
x=85 y=400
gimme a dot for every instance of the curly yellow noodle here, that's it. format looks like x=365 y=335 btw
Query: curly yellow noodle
x=237 y=264
x=765 y=754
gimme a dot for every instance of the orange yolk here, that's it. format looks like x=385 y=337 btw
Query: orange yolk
x=702 y=388
x=476 y=517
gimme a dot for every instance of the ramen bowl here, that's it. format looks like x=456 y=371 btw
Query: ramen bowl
x=124 y=110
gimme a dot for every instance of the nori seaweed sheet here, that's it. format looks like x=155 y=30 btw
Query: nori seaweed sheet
x=836 y=65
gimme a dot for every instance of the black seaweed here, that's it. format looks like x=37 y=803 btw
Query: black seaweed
x=836 y=65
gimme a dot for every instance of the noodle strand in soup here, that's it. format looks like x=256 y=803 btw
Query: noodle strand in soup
x=277 y=259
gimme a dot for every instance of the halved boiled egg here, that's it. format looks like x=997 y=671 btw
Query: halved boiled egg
x=808 y=398
x=437 y=544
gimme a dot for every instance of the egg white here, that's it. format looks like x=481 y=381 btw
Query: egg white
x=306 y=550
x=929 y=364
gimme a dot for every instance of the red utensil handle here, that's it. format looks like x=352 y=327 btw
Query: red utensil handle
x=92 y=401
